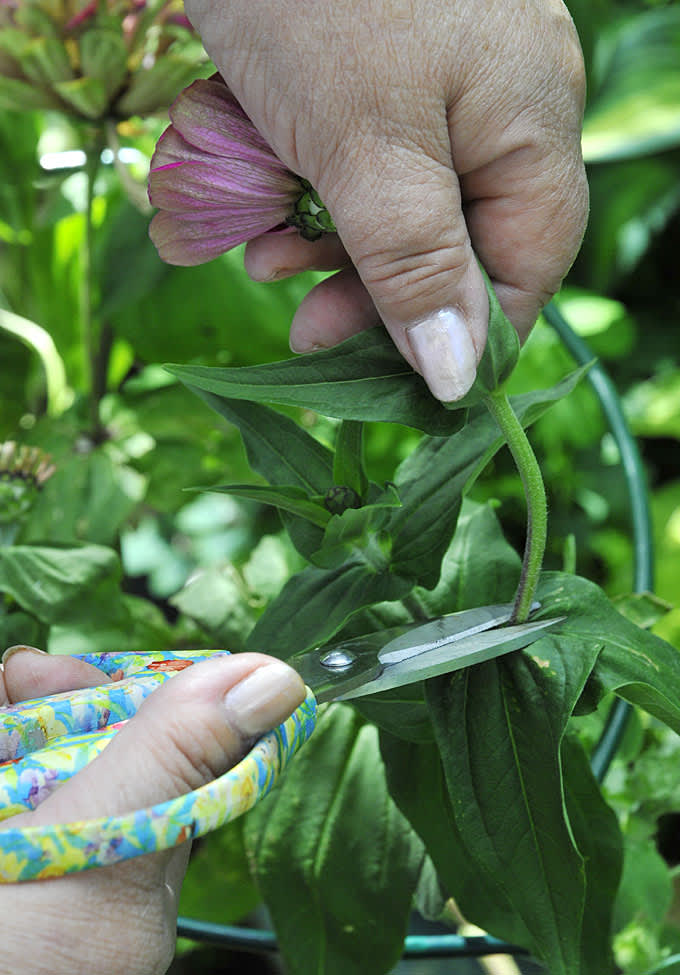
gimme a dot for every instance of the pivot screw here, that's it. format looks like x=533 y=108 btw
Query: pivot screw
x=337 y=660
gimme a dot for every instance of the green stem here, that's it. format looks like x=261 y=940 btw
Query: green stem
x=534 y=492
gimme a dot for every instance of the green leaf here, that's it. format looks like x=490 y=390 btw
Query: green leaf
x=363 y=378
x=315 y=603
x=347 y=534
x=50 y=583
x=499 y=728
x=598 y=838
x=218 y=601
x=291 y=499
x=18 y=627
x=335 y=860
x=126 y=261
x=283 y=453
x=277 y=447
x=500 y=353
x=103 y=55
x=348 y=463
x=632 y=662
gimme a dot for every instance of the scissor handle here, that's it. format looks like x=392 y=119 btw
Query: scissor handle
x=38 y=852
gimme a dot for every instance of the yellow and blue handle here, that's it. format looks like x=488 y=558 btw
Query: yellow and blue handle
x=46 y=741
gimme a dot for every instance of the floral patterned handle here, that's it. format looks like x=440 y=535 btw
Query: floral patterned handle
x=45 y=742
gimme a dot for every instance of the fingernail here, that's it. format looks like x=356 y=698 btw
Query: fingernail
x=264 y=699
x=443 y=348
x=302 y=348
x=10 y=651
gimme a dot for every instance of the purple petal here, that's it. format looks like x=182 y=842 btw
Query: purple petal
x=187 y=239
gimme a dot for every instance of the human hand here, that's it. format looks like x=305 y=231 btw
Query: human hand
x=191 y=730
x=433 y=130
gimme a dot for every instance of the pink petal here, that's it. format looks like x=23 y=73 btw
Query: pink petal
x=187 y=240
x=206 y=186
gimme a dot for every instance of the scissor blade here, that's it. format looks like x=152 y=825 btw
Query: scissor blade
x=447 y=657
x=436 y=633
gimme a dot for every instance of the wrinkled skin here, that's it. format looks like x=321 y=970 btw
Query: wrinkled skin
x=433 y=130
x=121 y=920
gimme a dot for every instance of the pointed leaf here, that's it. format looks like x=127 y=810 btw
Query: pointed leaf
x=316 y=603
x=335 y=860
x=347 y=534
x=277 y=447
x=348 y=465
x=291 y=499
x=633 y=663
x=363 y=378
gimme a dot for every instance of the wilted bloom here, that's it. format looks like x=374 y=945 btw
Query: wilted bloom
x=95 y=59
x=218 y=183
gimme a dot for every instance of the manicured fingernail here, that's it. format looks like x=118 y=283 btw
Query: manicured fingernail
x=20 y=647
x=443 y=348
x=264 y=699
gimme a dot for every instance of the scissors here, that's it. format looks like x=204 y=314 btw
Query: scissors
x=45 y=741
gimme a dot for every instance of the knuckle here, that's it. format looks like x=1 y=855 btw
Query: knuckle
x=415 y=275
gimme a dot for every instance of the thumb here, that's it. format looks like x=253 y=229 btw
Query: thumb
x=401 y=222
x=188 y=732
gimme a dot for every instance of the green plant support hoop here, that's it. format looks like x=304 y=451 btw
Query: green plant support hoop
x=453 y=945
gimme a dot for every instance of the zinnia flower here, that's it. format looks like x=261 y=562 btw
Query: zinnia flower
x=218 y=183
x=95 y=59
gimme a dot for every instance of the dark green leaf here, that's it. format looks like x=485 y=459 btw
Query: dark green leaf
x=315 y=603
x=277 y=447
x=291 y=499
x=633 y=663
x=283 y=453
x=19 y=627
x=598 y=838
x=499 y=728
x=127 y=262
x=363 y=378
x=335 y=860
x=348 y=465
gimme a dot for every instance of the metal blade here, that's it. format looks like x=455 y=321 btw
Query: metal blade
x=436 y=633
x=450 y=656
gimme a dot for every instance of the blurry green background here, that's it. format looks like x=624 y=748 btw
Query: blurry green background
x=158 y=567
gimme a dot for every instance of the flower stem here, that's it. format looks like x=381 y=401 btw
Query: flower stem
x=534 y=492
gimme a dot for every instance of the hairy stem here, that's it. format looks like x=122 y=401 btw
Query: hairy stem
x=534 y=492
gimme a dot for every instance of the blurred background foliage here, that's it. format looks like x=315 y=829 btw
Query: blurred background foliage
x=125 y=557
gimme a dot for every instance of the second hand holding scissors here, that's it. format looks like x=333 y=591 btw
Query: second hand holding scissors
x=46 y=741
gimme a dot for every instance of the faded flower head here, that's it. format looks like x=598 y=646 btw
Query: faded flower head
x=218 y=183
x=23 y=471
x=95 y=59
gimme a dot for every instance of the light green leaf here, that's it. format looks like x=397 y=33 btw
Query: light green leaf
x=218 y=601
x=335 y=860
x=347 y=534
x=50 y=583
